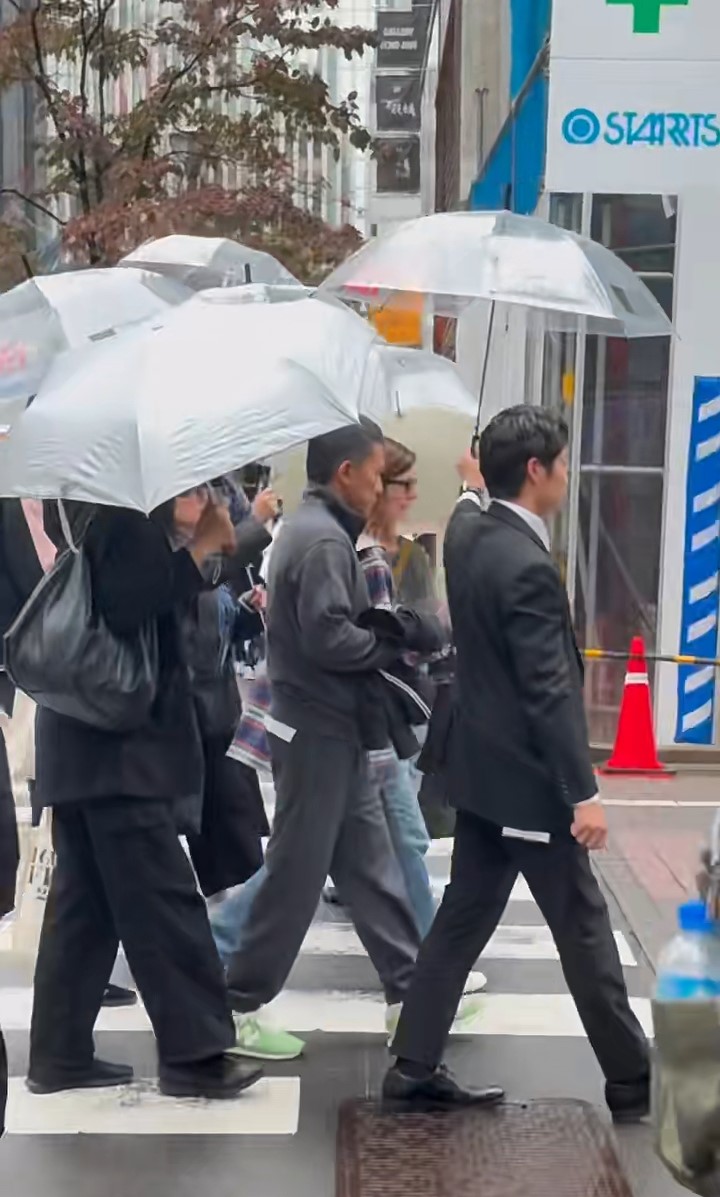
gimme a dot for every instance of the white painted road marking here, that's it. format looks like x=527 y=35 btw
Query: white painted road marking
x=520 y=891
x=272 y=1107
x=508 y=943
x=359 y=1013
x=524 y=1014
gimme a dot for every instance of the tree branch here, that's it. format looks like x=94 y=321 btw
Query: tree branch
x=32 y=203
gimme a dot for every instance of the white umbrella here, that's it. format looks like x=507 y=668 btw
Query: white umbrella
x=203 y=262
x=204 y=390
x=396 y=381
x=41 y=317
x=458 y=258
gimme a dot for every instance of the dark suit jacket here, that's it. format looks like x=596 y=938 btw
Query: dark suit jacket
x=518 y=747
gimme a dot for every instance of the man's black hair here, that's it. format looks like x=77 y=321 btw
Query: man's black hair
x=512 y=439
x=354 y=442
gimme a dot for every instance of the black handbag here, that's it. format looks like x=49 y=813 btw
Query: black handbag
x=62 y=654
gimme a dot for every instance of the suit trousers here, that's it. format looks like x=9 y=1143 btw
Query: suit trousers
x=327 y=820
x=3 y=1084
x=121 y=875
x=485 y=866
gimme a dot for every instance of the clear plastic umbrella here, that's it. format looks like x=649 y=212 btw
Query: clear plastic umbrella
x=203 y=262
x=93 y=304
x=417 y=381
x=41 y=317
x=458 y=258
x=201 y=391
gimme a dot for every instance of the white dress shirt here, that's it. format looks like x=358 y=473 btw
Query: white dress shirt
x=536 y=522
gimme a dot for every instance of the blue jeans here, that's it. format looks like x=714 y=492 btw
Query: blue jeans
x=409 y=837
x=229 y=920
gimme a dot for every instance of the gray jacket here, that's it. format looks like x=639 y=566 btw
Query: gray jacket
x=316 y=594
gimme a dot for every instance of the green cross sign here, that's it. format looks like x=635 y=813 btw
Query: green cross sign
x=647 y=13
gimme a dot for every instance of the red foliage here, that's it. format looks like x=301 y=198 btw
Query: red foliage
x=199 y=151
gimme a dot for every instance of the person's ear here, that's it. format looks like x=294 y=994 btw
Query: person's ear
x=535 y=470
x=344 y=472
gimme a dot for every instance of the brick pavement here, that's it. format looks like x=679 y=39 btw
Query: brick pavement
x=657 y=827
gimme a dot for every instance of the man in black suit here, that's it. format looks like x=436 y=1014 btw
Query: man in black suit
x=519 y=773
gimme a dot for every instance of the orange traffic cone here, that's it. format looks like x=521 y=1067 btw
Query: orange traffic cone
x=635 y=750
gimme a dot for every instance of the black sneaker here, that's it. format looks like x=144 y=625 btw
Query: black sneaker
x=628 y=1102
x=438 y=1091
x=117 y=995
x=218 y=1079
x=100 y=1075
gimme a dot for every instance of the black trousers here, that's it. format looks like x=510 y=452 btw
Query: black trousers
x=3 y=1084
x=484 y=869
x=9 y=851
x=122 y=875
x=228 y=848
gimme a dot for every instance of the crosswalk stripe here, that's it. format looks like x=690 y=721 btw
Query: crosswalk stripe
x=520 y=892
x=524 y=1014
x=272 y=1107
x=360 y=1013
x=508 y=943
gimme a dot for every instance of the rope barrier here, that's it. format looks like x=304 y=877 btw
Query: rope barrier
x=601 y=654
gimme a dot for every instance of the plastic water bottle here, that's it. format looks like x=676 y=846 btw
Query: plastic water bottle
x=689 y=966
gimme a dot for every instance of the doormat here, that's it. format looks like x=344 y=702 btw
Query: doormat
x=534 y=1149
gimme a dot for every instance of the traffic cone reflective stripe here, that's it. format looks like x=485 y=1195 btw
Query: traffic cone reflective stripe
x=635 y=750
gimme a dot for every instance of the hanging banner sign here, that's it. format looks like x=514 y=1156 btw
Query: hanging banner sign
x=397 y=101
x=398 y=165
x=401 y=40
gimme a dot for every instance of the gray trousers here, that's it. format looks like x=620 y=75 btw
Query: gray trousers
x=327 y=820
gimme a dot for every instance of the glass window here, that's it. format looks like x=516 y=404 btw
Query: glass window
x=624 y=429
x=622 y=450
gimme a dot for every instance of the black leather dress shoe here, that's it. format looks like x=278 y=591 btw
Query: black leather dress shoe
x=629 y=1102
x=437 y=1092
x=101 y=1074
x=117 y=995
x=218 y=1079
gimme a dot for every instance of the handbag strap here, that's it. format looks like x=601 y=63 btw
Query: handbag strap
x=66 y=529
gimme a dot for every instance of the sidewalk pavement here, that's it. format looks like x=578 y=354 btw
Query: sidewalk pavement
x=657 y=828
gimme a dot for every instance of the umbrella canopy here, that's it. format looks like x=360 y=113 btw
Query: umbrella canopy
x=203 y=262
x=41 y=317
x=418 y=381
x=396 y=381
x=206 y=389
x=88 y=305
x=458 y=258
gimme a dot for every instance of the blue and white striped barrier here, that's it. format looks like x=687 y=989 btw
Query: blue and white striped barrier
x=701 y=568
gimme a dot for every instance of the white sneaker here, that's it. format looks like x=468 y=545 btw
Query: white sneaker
x=476 y=983
x=469 y=1009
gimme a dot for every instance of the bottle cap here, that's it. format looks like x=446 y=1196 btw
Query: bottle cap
x=693 y=916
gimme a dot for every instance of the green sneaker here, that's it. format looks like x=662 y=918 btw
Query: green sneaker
x=470 y=1009
x=259 y=1041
